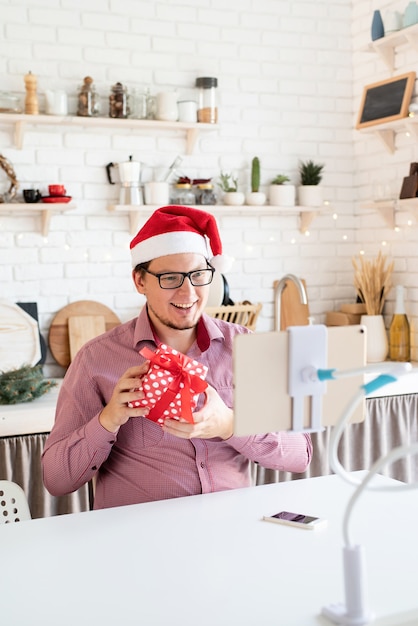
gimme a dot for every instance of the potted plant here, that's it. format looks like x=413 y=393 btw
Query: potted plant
x=280 y=193
x=309 y=191
x=255 y=196
x=229 y=186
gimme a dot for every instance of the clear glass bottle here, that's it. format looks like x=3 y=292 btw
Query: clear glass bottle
x=183 y=193
x=118 y=101
x=88 y=100
x=399 y=331
x=207 y=109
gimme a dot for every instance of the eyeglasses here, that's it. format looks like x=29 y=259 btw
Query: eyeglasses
x=174 y=280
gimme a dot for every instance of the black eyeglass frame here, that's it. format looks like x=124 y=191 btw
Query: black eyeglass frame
x=183 y=274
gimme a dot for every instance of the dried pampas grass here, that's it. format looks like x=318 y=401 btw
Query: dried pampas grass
x=372 y=281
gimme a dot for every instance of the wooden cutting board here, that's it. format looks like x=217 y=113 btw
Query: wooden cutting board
x=59 y=336
x=292 y=311
x=82 y=328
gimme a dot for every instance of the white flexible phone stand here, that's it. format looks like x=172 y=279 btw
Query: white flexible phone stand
x=307 y=376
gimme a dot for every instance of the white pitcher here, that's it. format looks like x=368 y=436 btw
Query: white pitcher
x=56 y=102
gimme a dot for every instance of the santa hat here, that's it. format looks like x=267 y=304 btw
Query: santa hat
x=176 y=230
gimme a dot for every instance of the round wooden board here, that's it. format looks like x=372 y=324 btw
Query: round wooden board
x=58 y=339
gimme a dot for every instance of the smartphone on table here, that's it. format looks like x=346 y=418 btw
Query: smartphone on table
x=299 y=520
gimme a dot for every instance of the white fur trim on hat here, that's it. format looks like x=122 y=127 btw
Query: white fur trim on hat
x=169 y=243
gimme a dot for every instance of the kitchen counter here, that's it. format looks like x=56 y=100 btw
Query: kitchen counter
x=27 y=418
x=24 y=429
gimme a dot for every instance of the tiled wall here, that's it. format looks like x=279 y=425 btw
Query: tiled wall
x=288 y=91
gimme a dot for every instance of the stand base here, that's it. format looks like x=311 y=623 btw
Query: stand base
x=337 y=613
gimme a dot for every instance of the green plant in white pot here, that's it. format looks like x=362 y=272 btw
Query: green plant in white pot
x=255 y=196
x=310 y=192
x=281 y=193
x=229 y=185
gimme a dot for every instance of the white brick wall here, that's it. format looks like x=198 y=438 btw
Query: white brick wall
x=287 y=74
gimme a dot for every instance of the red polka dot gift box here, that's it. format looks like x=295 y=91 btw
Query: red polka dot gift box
x=172 y=385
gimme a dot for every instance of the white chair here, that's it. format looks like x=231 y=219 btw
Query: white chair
x=14 y=506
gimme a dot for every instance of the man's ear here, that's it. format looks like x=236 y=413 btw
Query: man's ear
x=138 y=281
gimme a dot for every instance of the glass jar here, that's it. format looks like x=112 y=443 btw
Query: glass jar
x=207 y=109
x=88 y=100
x=118 y=101
x=182 y=193
x=151 y=105
x=205 y=194
x=9 y=103
x=138 y=105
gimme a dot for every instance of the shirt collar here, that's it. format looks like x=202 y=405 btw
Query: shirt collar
x=207 y=331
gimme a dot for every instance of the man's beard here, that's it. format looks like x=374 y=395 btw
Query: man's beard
x=171 y=324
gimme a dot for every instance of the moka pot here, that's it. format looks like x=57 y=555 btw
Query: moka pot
x=129 y=180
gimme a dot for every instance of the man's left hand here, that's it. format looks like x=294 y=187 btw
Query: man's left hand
x=214 y=419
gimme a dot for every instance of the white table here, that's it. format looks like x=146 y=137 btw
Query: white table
x=208 y=560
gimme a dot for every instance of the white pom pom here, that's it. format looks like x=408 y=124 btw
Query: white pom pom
x=222 y=263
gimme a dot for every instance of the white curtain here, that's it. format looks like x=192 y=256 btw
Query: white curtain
x=390 y=421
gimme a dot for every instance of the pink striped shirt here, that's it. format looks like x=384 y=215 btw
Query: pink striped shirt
x=141 y=463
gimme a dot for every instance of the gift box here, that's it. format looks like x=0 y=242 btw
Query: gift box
x=172 y=385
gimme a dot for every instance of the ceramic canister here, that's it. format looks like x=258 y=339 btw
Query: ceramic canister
x=187 y=111
x=167 y=109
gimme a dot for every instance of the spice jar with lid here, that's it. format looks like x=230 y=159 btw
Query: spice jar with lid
x=205 y=194
x=88 y=99
x=182 y=193
x=118 y=101
x=207 y=110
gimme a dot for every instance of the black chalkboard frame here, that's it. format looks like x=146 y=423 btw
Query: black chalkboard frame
x=386 y=101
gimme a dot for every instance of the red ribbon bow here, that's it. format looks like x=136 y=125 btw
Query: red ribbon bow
x=176 y=364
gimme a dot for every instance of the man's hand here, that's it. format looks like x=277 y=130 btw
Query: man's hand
x=215 y=419
x=117 y=411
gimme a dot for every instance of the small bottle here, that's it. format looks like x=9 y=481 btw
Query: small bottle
x=399 y=332
x=207 y=110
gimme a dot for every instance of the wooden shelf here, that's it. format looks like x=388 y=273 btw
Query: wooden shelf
x=390 y=208
x=306 y=214
x=387 y=132
x=20 y=121
x=46 y=210
x=386 y=47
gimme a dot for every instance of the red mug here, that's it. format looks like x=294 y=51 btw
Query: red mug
x=57 y=190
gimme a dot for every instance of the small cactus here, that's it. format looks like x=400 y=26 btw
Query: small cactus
x=255 y=174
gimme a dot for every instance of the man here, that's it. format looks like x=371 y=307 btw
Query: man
x=97 y=434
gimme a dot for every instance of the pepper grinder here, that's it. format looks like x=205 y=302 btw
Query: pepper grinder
x=31 y=100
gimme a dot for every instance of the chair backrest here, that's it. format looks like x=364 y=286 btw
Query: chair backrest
x=243 y=313
x=14 y=506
